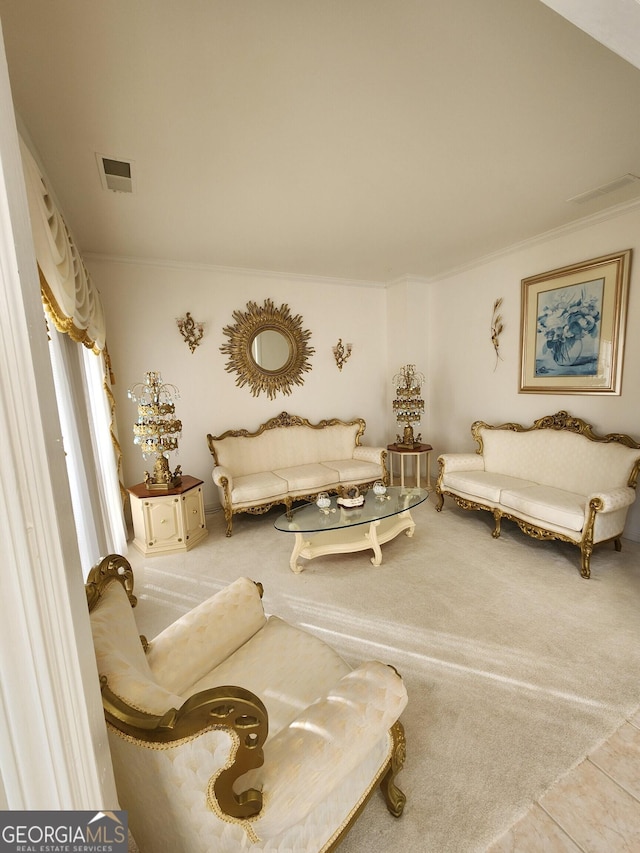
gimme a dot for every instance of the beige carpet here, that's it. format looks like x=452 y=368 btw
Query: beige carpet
x=515 y=666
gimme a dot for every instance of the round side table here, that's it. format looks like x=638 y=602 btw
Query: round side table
x=417 y=452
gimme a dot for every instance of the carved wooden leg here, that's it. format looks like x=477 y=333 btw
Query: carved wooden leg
x=585 y=559
x=586 y=546
x=617 y=543
x=385 y=470
x=393 y=796
x=228 y=509
x=497 y=518
x=440 y=502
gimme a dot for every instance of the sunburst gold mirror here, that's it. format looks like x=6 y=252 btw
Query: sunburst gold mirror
x=267 y=348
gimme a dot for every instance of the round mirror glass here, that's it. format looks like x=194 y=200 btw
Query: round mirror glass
x=270 y=350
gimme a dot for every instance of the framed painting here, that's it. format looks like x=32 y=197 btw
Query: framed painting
x=572 y=329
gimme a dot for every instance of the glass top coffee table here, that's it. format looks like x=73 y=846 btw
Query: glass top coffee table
x=339 y=530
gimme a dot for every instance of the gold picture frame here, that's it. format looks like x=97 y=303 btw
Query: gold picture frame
x=572 y=327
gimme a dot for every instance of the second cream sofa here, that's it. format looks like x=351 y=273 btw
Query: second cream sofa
x=556 y=479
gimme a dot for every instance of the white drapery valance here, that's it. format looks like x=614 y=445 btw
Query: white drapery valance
x=83 y=383
x=67 y=291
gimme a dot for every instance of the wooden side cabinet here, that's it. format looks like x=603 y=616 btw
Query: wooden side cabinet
x=164 y=522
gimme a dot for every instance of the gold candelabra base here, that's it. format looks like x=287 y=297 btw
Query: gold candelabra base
x=162 y=479
x=407 y=439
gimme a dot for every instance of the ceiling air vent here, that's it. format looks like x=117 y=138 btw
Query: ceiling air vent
x=115 y=174
x=612 y=186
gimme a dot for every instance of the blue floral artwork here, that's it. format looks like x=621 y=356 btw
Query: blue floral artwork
x=568 y=330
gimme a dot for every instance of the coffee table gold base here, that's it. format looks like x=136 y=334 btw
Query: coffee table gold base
x=350 y=539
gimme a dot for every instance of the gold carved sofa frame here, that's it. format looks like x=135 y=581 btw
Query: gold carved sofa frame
x=597 y=503
x=372 y=461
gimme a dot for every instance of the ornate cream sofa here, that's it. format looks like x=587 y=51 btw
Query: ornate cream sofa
x=230 y=731
x=556 y=479
x=288 y=459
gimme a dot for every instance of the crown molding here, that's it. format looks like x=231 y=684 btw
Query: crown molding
x=408 y=278
x=544 y=237
x=239 y=271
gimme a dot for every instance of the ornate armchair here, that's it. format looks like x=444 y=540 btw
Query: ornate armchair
x=233 y=731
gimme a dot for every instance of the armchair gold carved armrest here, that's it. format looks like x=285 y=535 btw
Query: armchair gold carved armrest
x=231 y=708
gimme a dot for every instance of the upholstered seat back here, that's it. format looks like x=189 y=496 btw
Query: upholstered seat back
x=558 y=458
x=285 y=447
x=120 y=655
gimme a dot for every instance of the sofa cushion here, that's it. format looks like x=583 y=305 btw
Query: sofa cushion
x=547 y=505
x=353 y=469
x=284 y=666
x=306 y=477
x=483 y=485
x=257 y=487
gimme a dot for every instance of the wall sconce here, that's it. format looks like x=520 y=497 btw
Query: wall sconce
x=191 y=331
x=497 y=327
x=341 y=353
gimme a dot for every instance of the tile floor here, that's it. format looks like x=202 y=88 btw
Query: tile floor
x=594 y=809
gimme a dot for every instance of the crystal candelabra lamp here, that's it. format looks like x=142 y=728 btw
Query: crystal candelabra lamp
x=408 y=404
x=157 y=429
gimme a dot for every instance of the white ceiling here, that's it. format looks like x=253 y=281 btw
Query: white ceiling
x=359 y=139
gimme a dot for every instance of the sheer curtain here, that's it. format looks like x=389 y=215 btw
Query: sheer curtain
x=82 y=380
x=106 y=449
x=81 y=468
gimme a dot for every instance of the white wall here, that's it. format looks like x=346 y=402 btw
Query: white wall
x=463 y=384
x=142 y=303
